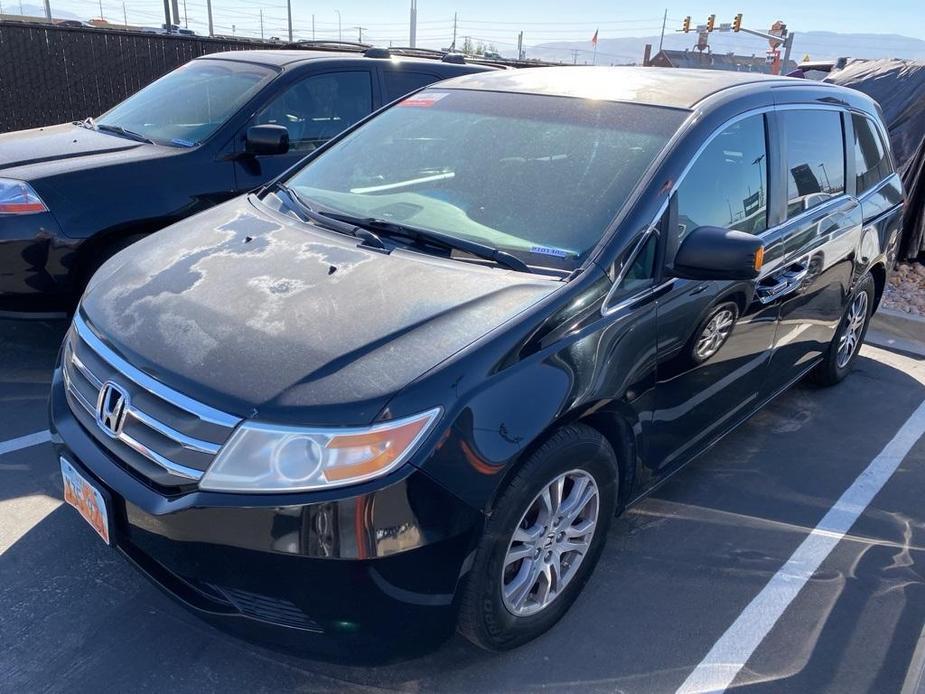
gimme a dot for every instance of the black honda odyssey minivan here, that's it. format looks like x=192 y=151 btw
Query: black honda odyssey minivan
x=406 y=387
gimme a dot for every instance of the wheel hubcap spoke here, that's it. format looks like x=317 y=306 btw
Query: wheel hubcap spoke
x=850 y=339
x=550 y=542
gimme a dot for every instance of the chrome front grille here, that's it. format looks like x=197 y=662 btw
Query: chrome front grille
x=163 y=435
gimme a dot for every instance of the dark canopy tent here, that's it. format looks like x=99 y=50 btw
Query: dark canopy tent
x=899 y=87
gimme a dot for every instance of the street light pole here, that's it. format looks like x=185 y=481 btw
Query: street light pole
x=209 y=12
x=289 y=15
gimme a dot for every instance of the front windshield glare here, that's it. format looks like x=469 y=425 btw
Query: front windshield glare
x=538 y=176
x=187 y=105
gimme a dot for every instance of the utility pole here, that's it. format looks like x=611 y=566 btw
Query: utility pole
x=47 y=10
x=360 y=31
x=453 y=45
x=125 y=14
x=574 y=56
x=520 y=46
x=313 y=27
x=661 y=38
x=289 y=16
x=209 y=12
x=413 y=29
x=340 y=36
x=101 y=8
x=167 y=14
x=185 y=15
x=788 y=44
x=261 y=23
x=175 y=5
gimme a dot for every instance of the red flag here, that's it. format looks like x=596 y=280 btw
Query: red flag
x=594 y=38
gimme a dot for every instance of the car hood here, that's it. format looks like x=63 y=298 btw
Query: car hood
x=60 y=147
x=259 y=316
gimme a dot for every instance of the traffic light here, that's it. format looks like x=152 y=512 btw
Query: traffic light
x=737 y=22
x=686 y=27
x=711 y=22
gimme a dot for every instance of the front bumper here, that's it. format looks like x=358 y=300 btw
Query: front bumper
x=376 y=572
x=35 y=262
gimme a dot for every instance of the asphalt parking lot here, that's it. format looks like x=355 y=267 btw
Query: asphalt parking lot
x=692 y=580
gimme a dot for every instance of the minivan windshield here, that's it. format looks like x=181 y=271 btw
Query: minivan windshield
x=538 y=176
x=187 y=105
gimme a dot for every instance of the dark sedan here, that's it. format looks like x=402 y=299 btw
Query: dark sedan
x=72 y=195
x=406 y=386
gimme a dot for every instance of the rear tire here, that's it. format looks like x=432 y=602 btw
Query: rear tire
x=843 y=350
x=507 y=601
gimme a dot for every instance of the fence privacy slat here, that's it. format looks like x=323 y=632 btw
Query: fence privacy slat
x=52 y=74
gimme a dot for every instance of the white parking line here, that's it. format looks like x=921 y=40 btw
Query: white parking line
x=728 y=656
x=25 y=441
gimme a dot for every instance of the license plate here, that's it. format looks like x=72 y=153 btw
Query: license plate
x=87 y=499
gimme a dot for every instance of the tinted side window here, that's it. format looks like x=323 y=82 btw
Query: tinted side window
x=815 y=158
x=727 y=185
x=400 y=82
x=317 y=108
x=871 y=163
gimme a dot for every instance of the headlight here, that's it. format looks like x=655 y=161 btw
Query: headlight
x=265 y=458
x=17 y=197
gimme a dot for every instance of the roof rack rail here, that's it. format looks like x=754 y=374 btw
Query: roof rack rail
x=408 y=50
x=328 y=43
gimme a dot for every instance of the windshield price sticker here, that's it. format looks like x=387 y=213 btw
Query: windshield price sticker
x=423 y=100
x=547 y=250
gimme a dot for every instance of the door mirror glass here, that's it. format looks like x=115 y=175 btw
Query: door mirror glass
x=715 y=253
x=262 y=140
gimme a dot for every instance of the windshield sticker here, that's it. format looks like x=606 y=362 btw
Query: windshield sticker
x=423 y=100
x=547 y=250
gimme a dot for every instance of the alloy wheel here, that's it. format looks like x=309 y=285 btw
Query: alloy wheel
x=550 y=542
x=714 y=334
x=850 y=339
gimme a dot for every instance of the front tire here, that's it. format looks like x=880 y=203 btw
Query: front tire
x=843 y=350
x=542 y=541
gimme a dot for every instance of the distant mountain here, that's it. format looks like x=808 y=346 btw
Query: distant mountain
x=819 y=45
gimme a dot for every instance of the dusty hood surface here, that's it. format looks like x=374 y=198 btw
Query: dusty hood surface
x=250 y=313
x=59 y=143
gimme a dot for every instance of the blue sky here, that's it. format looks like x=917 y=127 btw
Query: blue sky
x=499 y=22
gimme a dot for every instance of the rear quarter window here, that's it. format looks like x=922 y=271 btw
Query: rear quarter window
x=871 y=161
x=400 y=82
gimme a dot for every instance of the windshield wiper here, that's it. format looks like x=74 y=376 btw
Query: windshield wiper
x=119 y=130
x=306 y=212
x=87 y=123
x=383 y=226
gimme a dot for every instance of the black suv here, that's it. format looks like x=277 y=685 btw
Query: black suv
x=409 y=384
x=72 y=195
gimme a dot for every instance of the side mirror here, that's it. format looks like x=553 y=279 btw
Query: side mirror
x=714 y=253
x=266 y=139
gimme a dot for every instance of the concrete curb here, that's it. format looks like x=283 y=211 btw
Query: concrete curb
x=897 y=330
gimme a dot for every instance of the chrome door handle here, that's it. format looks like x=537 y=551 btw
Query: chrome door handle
x=785 y=282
